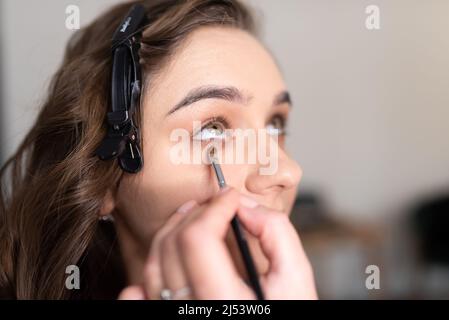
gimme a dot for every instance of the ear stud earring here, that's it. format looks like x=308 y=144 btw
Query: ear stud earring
x=108 y=217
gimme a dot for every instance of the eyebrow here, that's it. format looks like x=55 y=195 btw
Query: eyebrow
x=228 y=93
x=282 y=97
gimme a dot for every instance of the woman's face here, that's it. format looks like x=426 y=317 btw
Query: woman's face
x=248 y=92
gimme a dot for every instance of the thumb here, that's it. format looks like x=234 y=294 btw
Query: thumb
x=132 y=293
x=277 y=236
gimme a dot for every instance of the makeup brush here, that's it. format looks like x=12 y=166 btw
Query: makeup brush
x=236 y=227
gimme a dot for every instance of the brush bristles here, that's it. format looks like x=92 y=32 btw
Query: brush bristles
x=212 y=155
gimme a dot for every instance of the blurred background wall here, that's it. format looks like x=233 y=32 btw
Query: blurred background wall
x=371 y=107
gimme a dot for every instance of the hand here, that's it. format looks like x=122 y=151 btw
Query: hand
x=190 y=251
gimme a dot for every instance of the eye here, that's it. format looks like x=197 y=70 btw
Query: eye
x=213 y=129
x=277 y=125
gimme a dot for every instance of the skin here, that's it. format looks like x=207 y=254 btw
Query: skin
x=146 y=205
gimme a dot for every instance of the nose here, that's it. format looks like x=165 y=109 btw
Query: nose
x=286 y=175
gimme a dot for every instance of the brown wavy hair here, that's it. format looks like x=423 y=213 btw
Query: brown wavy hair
x=53 y=186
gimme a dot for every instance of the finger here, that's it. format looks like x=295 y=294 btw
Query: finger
x=154 y=282
x=277 y=236
x=290 y=275
x=173 y=273
x=205 y=255
x=132 y=293
x=217 y=215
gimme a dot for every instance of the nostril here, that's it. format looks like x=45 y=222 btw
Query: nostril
x=292 y=178
x=287 y=178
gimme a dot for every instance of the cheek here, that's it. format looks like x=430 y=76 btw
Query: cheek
x=289 y=200
x=148 y=200
x=177 y=183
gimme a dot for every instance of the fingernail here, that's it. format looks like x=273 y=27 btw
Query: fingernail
x=186 y=206
x=248 y=202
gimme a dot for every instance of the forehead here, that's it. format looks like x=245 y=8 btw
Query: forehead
x=218 y=56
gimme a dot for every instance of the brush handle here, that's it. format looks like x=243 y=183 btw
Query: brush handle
x=247 y=259
x=241 y=241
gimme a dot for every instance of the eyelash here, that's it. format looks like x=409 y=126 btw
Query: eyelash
x=283 y=123
x=225 y=124
x=220 y=120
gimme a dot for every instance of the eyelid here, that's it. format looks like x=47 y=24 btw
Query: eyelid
x=219 y=120
x=225 y=124
x=283 y=130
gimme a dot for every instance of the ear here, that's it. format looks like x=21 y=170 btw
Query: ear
x=108 y=204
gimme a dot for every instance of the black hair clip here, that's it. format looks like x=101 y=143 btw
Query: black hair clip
x=123 y=137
